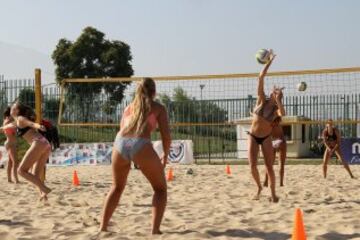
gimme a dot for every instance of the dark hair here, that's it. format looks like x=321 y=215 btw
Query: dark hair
x=277 y=119
x=6 y=113
x=25 y=111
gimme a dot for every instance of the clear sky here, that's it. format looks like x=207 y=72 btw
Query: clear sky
x=183 y=37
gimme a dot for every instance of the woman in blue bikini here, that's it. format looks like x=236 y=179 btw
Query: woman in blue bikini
x=265 y=111
x=133 y=143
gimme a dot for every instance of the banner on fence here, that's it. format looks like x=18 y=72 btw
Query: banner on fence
x=350 y=148
x=181 y=151
x=81 y=154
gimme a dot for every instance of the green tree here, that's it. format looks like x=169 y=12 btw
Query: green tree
x=3 y=102
x=27 y=96
x=92 y=56
x=184 y=108
x=51 y=109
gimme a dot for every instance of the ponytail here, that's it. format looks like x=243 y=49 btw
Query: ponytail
x=140 y=107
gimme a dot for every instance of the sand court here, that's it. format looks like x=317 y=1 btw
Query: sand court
x=208 y=204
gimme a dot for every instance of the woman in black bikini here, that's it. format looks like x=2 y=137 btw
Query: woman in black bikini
x=266 y=110
x=332 y=139
x=39 y=150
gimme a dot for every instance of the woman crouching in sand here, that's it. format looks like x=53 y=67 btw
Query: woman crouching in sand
x=265 y=111
x=332 y=140
x=133 y=143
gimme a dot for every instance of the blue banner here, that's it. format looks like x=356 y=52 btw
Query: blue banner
x=350 y=148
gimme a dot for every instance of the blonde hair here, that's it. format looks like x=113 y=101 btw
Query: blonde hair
x=141 y=107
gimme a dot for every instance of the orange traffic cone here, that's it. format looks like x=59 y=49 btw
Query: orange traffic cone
x=228 y=170
x=170 y=175
x=76 y=181
x=299 y=230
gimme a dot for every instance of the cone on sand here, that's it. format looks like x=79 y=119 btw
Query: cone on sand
x=228 y=170
x=170 y=175
x=76 y=181
x=299 y=230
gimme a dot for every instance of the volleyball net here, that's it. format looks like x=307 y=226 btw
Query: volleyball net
x=215 y=99
x=211 y=107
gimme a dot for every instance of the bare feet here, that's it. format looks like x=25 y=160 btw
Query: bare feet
x=157 y=232
x=103 y=229
x=43 y=197
x=46 y=190
x=274 y=199
x=10 y=181
x=257 y=196
x=43 y=194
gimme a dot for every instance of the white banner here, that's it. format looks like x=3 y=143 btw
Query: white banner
x=181 y=151
x=81 y=154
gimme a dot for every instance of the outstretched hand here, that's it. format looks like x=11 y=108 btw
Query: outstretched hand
x=42 y=128
x=272 y=55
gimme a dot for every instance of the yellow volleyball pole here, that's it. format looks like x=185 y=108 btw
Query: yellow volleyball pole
x=38 y=110
x=38 y=95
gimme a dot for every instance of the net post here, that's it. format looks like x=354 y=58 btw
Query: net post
x=38 y=111
x=61 y=101
x=38 y=95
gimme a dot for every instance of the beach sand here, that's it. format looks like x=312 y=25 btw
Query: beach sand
x=205 y=205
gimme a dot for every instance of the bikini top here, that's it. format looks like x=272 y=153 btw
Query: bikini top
x=266 y=111
x=332 y=137
x=21 y=131
x=10 y=131
x=151 y=119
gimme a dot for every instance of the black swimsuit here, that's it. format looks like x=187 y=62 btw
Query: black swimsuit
x=21 y=131
x=268 y=116
x=258 y=140
x=331 y=138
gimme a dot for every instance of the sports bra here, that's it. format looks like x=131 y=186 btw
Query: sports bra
x=151 y=119
x=21 y=131
x=268 y=115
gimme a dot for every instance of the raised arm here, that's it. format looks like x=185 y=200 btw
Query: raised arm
x=260 y=88
x=164 y=132
x=24 y=122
